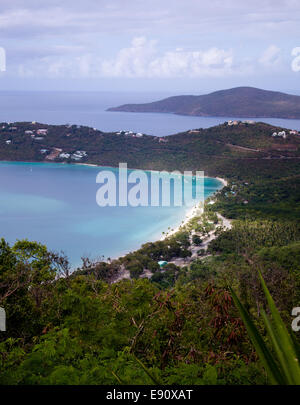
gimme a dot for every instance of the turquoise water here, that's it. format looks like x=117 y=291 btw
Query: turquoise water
x=56 y=204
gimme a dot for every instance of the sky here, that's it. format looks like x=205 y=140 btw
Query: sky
x=186 y=47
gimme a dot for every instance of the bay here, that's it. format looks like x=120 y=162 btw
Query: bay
x=55 y=204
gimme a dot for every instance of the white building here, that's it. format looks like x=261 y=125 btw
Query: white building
x=42 y=131
x=283 y=134
x=78 y=155
x=65 y=155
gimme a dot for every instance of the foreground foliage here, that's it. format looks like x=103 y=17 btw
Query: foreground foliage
x=284 y=367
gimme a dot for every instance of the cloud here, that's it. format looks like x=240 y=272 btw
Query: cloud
x=33 y=18
x=142 y=59
x=197 y=39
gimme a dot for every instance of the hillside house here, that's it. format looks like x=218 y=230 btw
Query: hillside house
x=64 y=155
x=42 y=131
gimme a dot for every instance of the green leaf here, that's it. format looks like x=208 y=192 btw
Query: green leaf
x=282 y=341
x=152 y=378
x=265 y=355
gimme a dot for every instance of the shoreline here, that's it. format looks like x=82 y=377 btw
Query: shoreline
x=189 y=215
x=193 y=212
x=223 y=181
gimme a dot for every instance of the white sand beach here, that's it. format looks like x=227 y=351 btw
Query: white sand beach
x=194 y=211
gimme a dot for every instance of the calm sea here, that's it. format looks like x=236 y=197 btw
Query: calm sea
x=56 y=204
x=89 y=108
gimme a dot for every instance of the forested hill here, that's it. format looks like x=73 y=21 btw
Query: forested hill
x=218 y=150
x=236 y=102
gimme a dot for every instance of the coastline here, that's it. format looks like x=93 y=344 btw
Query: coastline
x=223 y=181
x=189 y=215
x=193 y=212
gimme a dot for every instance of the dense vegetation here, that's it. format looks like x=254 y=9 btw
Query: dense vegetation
x=179 y=321
x=230 y=151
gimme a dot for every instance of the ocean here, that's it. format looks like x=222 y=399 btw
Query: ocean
x=89 y=108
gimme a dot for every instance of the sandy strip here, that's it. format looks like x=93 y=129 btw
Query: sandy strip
x=193 y=212
x=86 y=164
x=223 y=181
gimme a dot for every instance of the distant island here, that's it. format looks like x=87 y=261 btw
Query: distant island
x=247 y=102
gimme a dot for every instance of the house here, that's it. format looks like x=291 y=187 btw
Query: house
x=81 y=152
x=139 y=135
x=8 y=141
x=294 y=132
x=12 y=129
x=64 y=155
x=230 y=123
x=249 y=122
x=43 y=151
x=78 y=155
x=162 y=140
x=38 y=138
x=283 y=134
x=42 y=131
x=28 y=132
